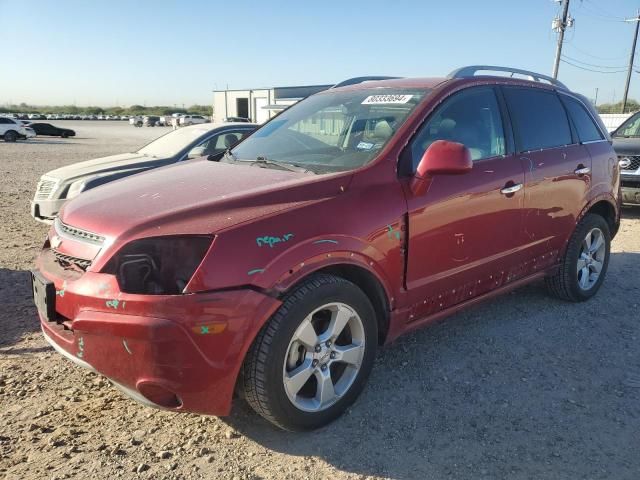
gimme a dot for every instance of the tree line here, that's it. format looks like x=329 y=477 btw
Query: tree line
x=206 y=110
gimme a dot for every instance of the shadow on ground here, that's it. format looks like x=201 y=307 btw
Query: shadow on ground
x=524 y=386
x=18 y=315
x=629 y=211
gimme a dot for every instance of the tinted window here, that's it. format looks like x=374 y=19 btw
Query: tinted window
x=472 y=118
x=630 y=128
x=586 y=127
x=4 y=120
x=538 y=117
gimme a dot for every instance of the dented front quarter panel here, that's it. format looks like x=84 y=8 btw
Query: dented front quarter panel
x=361 y=225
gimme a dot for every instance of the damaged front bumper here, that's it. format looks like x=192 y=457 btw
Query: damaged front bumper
x=176 y=352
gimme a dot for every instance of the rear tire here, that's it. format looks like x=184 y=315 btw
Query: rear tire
x=585 y=261
x=312 y=359
x=10 y=136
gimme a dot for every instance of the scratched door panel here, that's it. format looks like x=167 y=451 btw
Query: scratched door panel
x=463 y=232
x=553 y=196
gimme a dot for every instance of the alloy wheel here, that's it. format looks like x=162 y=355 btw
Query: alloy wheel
x=324 y=357
x=591 y=259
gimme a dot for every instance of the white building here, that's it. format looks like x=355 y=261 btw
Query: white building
x=259 y=104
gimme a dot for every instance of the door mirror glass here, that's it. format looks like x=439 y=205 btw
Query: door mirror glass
x=441 y=158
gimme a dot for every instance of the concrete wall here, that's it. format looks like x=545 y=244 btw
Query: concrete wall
x=225 y=103
x=614 y=120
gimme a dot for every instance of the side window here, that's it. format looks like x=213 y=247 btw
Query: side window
x=630 y=128
x=538 y=117
x=586 y=127
x=4 y=121
x=222 y=141
x=471 y=117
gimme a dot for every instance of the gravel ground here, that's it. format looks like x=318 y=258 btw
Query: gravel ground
x=524 y=386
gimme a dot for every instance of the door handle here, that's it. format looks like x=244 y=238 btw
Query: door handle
x=582 y=171
x=511 y=189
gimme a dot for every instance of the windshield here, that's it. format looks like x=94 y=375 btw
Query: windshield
x=170 y=144
x=333 y=131
x=630 y=128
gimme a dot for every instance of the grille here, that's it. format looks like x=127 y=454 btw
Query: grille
x=78 y=233
x=45 y=188
x=635 y=162
x=67 y=261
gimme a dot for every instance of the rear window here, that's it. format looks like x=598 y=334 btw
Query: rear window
x=539 y=119
x=586 y=127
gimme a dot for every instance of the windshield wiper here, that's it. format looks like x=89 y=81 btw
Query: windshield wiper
x=265 y=163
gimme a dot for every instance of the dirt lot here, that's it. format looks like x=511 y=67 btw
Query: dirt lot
x=521 y=387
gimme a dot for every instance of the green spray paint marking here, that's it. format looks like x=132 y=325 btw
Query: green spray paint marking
x=112 y=303
x=254 y=271
x=61 y=291
x=271 y=241
x=325 y=241
x=391 y=233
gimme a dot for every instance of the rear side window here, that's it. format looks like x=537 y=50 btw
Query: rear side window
x=586 y=127
x=539 y=119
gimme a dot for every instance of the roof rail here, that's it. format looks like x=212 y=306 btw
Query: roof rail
x=355 y=80
x=471 y=70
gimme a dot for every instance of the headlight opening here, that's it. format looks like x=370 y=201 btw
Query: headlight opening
x=158 y=265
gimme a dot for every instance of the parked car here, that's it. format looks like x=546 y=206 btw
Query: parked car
x=626 y=142
x=186 y=120
x=51 y=130
x=136 y=120
x=12 y=130
x=150 y=120
x=277 y=268
x=59 y=185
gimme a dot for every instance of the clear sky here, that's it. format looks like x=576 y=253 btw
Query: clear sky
x=122 y=52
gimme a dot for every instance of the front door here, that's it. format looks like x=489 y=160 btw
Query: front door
x=465 y=234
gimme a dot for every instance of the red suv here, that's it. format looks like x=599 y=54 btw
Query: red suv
x=276 y=268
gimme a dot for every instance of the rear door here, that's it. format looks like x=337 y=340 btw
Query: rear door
x=557 y=171
x=465 y=232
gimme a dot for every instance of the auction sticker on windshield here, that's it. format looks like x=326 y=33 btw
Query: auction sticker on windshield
x=386 y=99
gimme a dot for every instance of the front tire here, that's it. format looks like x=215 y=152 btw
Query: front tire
x=10 y=136
x=585 y=262
x=313 y=358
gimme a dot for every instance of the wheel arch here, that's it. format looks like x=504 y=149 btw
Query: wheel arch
x=370 y=285
x=607 y=209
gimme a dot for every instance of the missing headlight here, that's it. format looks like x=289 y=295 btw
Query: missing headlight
x=158 y=266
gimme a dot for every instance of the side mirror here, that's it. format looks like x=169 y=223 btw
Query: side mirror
x=441 y=158
x=196 y=152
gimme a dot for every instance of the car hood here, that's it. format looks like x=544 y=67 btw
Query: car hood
x=195 y=197
x=105 y=165
x=626 y=146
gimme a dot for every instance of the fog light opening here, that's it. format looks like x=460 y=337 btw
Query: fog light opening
x=159 y=395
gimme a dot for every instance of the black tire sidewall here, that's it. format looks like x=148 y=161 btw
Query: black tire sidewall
x=10 y=136
x=281 y=407
x=589 y=222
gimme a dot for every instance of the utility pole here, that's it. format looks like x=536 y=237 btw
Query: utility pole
x=631 y=57
x=560 y=25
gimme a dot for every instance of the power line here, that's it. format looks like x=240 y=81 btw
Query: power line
x=588 y=54
x=590 y=69
x=600 y=11
x=591 y=64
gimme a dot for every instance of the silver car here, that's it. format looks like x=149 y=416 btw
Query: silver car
x=59 y=185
